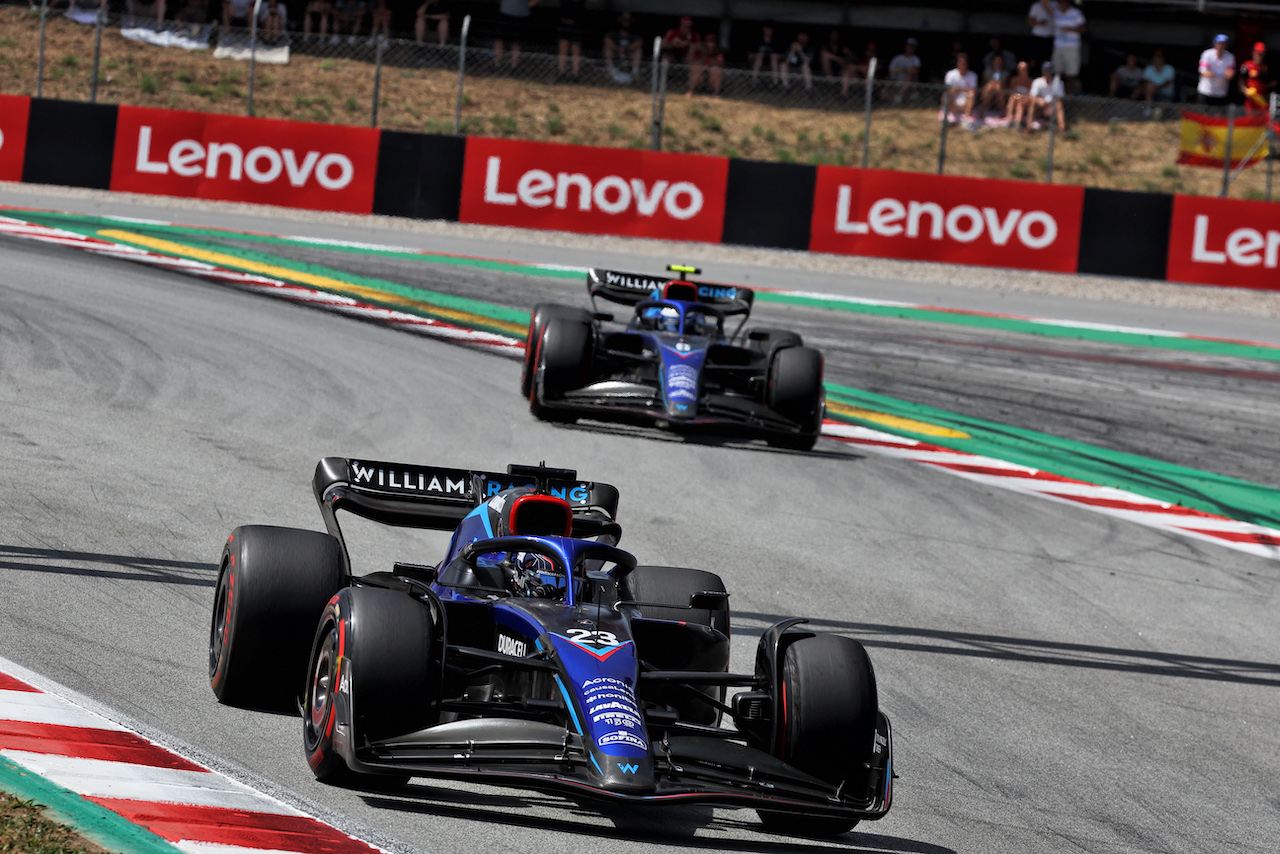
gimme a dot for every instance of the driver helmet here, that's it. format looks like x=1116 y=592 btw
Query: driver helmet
x=663 y=318
x=534 y=576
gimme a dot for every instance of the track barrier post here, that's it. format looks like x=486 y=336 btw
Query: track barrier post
x=1226 y=155
x=462 y=73
x=253 y=50
x=377 y=81
x=866 y=124
x=942 y=139
x=44 y=14
x=1058 y=103
x=657 y=98
x=97 y=52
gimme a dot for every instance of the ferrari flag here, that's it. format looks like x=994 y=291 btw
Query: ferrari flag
x=1204 y=139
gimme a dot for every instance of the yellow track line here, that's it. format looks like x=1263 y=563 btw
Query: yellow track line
x=922 y=427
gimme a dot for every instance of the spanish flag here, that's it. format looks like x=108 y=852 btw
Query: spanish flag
x=1204 y=139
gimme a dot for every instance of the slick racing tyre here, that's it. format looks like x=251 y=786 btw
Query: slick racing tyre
x=542 y=312
x=774 y=339
x=272 y=585
x=795 y=392
x=374 y=653
x=562 y=363
x=829 y=709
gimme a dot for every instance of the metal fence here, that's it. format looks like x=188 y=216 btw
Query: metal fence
x=635 y=100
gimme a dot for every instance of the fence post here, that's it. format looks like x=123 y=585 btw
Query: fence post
x=1272 y=138
x=377 y=82
x=462 y=73
x=253 y=50
x=44 y=13
x=866 y=130
x=1226 y=155
x=97 y=52
x=942 y=142
x=658 y=96
x=1058 y=101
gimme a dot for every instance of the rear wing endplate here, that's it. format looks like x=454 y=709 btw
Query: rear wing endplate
x=634 y=288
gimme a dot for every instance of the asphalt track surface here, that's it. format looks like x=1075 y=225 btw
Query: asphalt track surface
x=1059 y=681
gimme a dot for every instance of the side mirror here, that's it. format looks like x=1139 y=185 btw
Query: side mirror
x=708 y=599
x=758 y=335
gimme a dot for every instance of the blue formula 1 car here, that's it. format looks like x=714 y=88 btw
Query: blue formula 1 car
x=673 y=363
x=538 y=653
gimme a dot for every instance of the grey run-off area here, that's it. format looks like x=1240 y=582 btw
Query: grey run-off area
x=1058 y=680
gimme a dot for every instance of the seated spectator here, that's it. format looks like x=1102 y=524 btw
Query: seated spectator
x=351 y=13
x=193 y=12
x=1255 y=81
x=904 y=68
x=1019 y=91
x=859 y=70
x=379 y=23
x=316 y=10
x=995 y=86
x=1046 y=99
x=432 y=13
x=1158 y=78
x=710 y=62
x=1126 y=80
x=139 y=9
x=798 y=61
x=622 y=44
x=834 y=56
x=765 y=52
x=235 y=11
x=681 y=43
x=272 y=21
x=1010 y=61
x=569 y=33
x=962 y=86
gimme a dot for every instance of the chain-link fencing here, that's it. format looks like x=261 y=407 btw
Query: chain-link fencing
x=625 y=98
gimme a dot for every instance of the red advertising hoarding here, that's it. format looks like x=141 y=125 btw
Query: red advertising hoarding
x=1224 y=242
x=14 y=110
x=241 y=159
x=941 y=218
x=594 y=190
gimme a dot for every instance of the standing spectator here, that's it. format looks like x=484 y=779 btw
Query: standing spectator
x=904 y=69
x=709 y=61
x=513 y=17
x=1040 y=20
x=1158 y=78
x=235 y=10
x=995 y=87
x=681 y=43
x=274 y=21
x=432 y=12
x=623 y=44
x=799 y=60
x=834 y=56
x=1068 y=24
x=1046 y=99
x=570 y=34
x=962 y=86
x=379 y=23
x=1127 y=80
x=765 y=52
x=139 y=9
x=1019 y=95
x=351 y=13
x=1217 y=67
x=316 y=10
x=1010 y=61
x=1254 y=81
x=193 y=12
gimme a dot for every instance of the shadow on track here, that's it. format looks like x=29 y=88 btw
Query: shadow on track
x=828 y=450
x=124 y=567
x=1084 y=656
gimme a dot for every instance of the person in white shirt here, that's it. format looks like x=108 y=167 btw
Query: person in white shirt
x=1217 y=67
x=1046 y=98
x=962 y=85
x=1068 y=24
x=1040 y=20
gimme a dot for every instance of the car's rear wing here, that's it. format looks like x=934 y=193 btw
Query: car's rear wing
x=634 y=288
x=438 y=498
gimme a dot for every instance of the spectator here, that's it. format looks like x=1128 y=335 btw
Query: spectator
x=709 y=62
x=1068 y=24
x=1217 y=67
x=379 y=20
x=681 y=43
x=1254 y=82
x=904 y=69
x=1010 y=61
x=316 y=9
x=1019 y=95
x=995 y=86
x=351 y=13
x=765 y=52
x=235 y=10
x=962 y=87
x=139 y=9
x=1046 y=99
x=432 y=12
x=799 y=60
x=513 y=17
x=859 y=70
x=273 y=21
x=570 y=34
x=193 y=12
x=1127 y=80
x=623 y=44
x=1040 y=20
x=1158 y=78
x=834 y=57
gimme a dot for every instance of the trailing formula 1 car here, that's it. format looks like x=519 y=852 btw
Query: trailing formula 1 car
x=538 y=653
x=672 y=362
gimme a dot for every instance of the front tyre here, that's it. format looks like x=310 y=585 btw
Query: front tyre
x=562 y=363
x=542 y=312
x=795 y=392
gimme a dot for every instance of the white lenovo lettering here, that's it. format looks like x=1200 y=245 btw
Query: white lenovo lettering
x=612 y=194
x=1245 y=247
x=889 y=217
x=261 y=165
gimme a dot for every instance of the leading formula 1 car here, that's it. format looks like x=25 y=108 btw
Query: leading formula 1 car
x=673 y=362
x=538 y=653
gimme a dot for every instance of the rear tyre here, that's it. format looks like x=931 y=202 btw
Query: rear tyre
x=272 y=585
x=385 y=676
x=829 y=709
x=795 y=392
x=563 y=363
x=542 y=312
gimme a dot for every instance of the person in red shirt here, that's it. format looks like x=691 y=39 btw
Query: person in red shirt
x=1255 y=82
x=710 y=62
x=682 y=43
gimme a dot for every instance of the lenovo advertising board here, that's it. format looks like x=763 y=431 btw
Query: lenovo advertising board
x=14 y=110
x=941 y=218
x=241 y=159
x=1225 y=242
x=594 y=190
